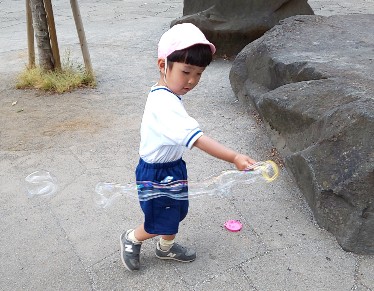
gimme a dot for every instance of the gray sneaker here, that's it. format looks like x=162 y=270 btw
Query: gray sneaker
x=177 y=253
x=130 y=252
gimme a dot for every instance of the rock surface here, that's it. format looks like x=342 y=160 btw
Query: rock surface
x=312 y=80
x=231 y=25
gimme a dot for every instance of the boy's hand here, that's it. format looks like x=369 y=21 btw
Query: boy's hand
x=243 y=162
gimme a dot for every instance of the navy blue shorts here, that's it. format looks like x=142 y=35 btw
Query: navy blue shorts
x=162 y=214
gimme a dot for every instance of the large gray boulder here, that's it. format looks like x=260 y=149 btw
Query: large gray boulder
x=312 y=80
x=231 y=25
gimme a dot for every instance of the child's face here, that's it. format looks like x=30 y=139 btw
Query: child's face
x=182 y=78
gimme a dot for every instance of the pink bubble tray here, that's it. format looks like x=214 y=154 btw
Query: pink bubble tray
x=233 y=225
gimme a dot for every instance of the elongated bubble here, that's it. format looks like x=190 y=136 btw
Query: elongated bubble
x=221 y=184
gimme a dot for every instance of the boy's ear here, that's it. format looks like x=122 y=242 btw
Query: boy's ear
x=161 y=65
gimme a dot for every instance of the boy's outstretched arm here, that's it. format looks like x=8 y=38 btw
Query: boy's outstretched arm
x=218 y=150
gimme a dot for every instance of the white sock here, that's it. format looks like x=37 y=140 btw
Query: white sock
x=131 y=236
x=166 y=245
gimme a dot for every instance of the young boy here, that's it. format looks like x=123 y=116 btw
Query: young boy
x=166 y=131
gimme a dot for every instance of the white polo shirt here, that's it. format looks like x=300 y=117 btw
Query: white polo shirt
x=166 y=130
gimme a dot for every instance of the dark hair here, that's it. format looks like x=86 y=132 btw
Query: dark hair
x=197 y=55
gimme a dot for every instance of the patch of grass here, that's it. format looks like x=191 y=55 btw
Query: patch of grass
x=67 y=79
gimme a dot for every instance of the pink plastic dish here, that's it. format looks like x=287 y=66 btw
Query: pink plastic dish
x=233 y=225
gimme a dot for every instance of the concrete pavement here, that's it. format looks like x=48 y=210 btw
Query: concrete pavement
x=65 y=242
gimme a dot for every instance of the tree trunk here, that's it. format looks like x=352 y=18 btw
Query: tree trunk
x=46 y=61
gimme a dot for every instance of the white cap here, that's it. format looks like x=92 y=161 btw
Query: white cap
x=179 y=37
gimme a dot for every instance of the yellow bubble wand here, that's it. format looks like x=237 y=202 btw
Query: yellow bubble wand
x=269 y=170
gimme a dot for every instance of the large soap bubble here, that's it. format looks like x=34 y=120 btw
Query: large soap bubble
x=107 y=192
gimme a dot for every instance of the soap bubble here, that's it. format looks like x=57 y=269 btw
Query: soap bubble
x=219 y=185
x=41 y=183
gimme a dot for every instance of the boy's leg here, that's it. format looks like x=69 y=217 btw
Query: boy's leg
x=141 y=235
x=131 y=242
